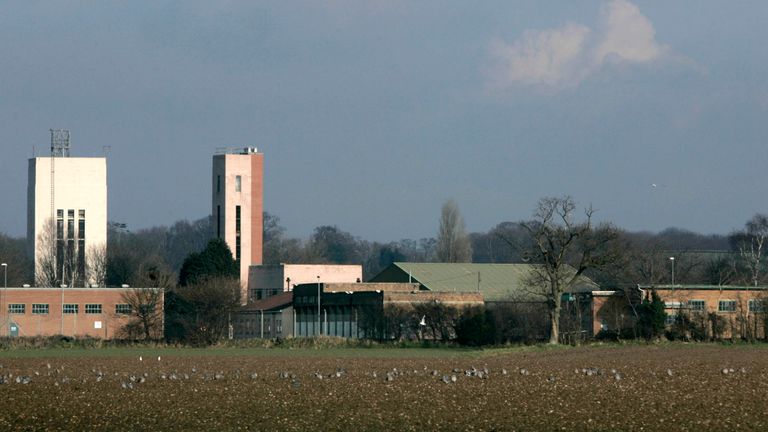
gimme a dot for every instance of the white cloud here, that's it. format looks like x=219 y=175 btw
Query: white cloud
x=546 y=57
x=626 y=33
x=567 y=55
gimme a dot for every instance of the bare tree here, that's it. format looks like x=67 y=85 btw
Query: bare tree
x=146 y=317
x=46 y=274
x=207 y=306
x=751 y=243
x=96 y=265
x=564 y=249
x=453 y=244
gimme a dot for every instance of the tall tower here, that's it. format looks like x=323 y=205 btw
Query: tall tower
x=67 y=216
x=238 y=205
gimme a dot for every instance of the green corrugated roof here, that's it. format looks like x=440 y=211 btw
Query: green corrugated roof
x=498 y=282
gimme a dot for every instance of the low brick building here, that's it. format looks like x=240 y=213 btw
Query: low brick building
x=715 y=311
x=93 y=312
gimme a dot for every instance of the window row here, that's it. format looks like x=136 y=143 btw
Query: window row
x=754 y=305
x=67 y=308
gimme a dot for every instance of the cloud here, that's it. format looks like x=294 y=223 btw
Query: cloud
x=565 y=56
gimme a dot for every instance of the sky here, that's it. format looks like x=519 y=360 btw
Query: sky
x=372 y=114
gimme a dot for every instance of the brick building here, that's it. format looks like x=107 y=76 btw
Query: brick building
x=716 y=311
x=93 y=312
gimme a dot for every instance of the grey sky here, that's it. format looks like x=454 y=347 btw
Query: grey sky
x=372 y=114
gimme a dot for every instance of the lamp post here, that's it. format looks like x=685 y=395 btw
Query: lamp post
x=672 y=260
x=5 y=291
x=318 y=305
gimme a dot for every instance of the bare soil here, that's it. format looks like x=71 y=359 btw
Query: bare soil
x=664 y=388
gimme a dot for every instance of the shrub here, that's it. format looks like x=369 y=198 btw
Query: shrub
x=476 y=327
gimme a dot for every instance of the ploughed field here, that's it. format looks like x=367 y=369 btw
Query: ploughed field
x=665 y=388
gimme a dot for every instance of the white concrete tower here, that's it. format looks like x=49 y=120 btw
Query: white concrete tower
x=67 y=216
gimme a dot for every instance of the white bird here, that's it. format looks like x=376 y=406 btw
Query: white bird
x=423 y=321
x=158 y=358
x=141 y=359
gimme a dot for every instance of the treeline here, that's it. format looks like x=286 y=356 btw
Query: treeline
x=705 y=259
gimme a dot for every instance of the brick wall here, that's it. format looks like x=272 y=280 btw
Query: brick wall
x=48 y=321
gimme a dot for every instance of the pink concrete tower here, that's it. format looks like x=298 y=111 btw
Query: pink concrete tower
x=238 y=205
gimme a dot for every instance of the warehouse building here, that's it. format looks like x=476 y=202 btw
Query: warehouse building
x=78 y=312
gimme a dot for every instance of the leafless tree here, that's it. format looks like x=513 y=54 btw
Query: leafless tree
x=564 y=249
x=210 y=303
x=96 y=265
x=453 y=244
x=146 y=317
x=751 y=244
x=46 y=274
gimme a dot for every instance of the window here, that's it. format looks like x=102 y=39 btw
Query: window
x=93 y=309
x=122 y=309
x=81 y=214
x=81 y=229
x=757 y=305
x=39 y=309
x=238 y=183
x=673 y=305
x=697 y=305
x=16 y=308
x=60 y=213
x=670 y=319
x=70 y=309
x=218 y=221
x=70 y=214
x=238 y=214
x=727 y=306
x=237 y=233
x=218 y=184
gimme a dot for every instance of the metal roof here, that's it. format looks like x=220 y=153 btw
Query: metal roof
x=497 y=282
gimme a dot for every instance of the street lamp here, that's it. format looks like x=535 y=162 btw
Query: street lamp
x=672 y=260
x=5 y=290
x=318 y=305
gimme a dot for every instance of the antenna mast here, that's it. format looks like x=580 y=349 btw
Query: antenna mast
x=59 y=148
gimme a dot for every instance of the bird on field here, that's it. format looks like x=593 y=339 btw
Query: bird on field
x=141 y=359
x=158 y=358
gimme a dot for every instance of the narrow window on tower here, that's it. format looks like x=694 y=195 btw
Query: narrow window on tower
x=237 y=233
x=81 y=248
x=238 y=183
x=71 y=224
x=218 y=184
x=59 y=264
x=70 y=257
x=218 y=221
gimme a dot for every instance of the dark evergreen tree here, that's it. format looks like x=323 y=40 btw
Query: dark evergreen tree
x=651 y=317
x=215 y=260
